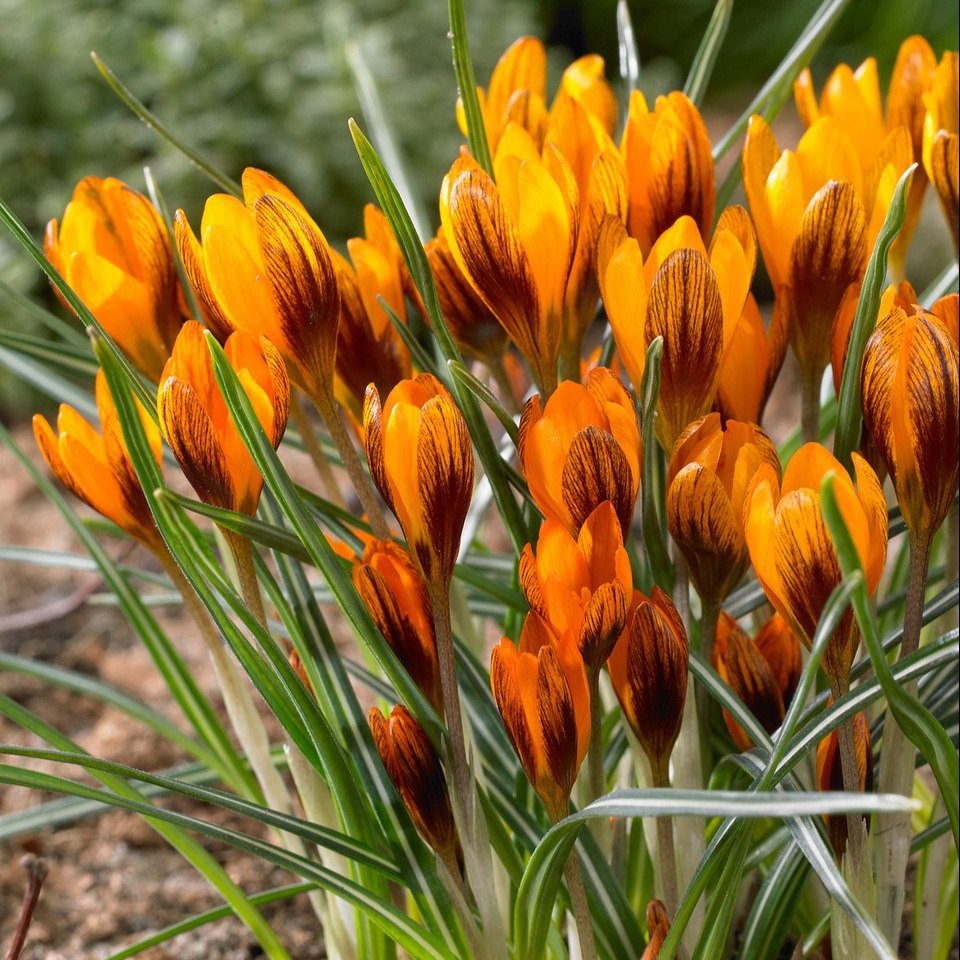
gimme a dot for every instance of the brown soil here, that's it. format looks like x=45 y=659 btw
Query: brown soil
x=111 y=880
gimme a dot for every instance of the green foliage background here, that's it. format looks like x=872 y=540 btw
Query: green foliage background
x=267 y=83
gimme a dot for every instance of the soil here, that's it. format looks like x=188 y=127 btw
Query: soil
x=112 y=880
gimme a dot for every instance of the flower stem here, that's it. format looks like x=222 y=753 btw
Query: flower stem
x=581 y=910
x=36 y=869
x=810 y=409
x=665 y=848
x=709 y=616
x=597 y=778
x=315 y=449
x=242 y=551
x=360 y=479
x=897 y=764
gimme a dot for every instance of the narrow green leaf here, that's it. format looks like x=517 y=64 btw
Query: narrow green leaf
x=650 y=517
x=774 y=906
x=72 y=360
x=849 y=413
x=920 y=726
x=158 y=126
x=49 y=383
x=467 y=87
x=944 y=284
x=483 y=393
x=55 y=324
x=421 y=359
x=706 y=57
x=627 y=46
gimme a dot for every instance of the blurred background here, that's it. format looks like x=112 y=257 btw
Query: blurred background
x=268 y=83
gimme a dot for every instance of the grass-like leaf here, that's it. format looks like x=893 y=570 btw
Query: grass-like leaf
x=849 y=413
x=467 y=86
x=706 y=57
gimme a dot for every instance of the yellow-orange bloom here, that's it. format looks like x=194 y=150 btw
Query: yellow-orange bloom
x=540 y=687
x=96 y=466
x=262 y=266
x=602 y=190
x=518 y=90
x=817 y=212
x=793 y=554
x=581 y=448
x=112 y=248
x=941 y=126
x=414 y=767
x=419 y=452
x=853 y=98
x=830 y=773
x=658 y=927
x=198 y=426
x=751 y=363
x=709 y=474
x=648 y=670
x=583 y=586
x=515 y=241
x=947 y=311
x=394 y=592
x=744 y=669
x=909 y=395
x=779 y=646
x=691 y=297
x=669 y=167
x=475 y=329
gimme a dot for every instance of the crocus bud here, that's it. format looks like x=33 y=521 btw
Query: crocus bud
x=581 y=586
x=707 y=480
x=393 y=591
x=515 y=239
x=779 y=646
x=742 y=667
x=414 y=767
x=658 y=926
x=648 y=670
x=418 y=447
x=541 y=692
x=261 y=265
x=199 y=427
x=669 y=166
x=113 y=249
x=830 y=774
x=909 y=395
x=581 y=448
x=96 y=467
x=793 y=554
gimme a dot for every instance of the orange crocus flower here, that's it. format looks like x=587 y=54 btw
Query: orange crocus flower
x=419 y=452
x=581 y=586
x=669 y=167
x=475 y=329
x=909 y=395
x=263 y=266
x=581 y=448
x=112 y=248
x=742 y=666
x=540 y=687
x=941 y=139
x=853 y=98
x=518 y=90
x=415 y=769
x=830 y=774
x=515 y=240
x=793 y=555
x=602 y=190
x=709 y=473
x=817 y=211
x=369 y=349
x=779 y=646
x=648 y=670
x=96 y=466
x=751 y=363
x=393 y=591
x=199 y=427
x=691 y=297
